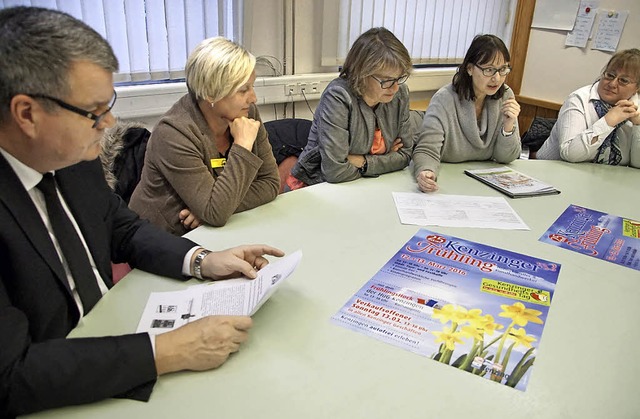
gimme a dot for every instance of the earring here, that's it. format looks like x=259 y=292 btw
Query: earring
x=211 y=103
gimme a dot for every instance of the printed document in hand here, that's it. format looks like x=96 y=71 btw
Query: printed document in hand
x=166 y=311
x=457 y=211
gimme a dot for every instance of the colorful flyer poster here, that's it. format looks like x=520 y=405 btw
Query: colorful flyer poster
x=597 y=234
x=474 y=307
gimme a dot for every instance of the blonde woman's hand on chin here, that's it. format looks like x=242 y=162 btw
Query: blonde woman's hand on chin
x=244 y=131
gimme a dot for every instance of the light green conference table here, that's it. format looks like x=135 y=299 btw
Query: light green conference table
x=297 y=364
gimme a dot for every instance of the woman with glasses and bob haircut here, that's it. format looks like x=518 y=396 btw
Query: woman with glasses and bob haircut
x=473 y=118
x=361 y=126
x=209 y=156
x=600 y=123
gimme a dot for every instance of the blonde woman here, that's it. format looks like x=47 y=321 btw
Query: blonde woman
x=209 y=156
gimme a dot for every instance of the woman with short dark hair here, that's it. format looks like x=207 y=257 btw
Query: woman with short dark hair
x=473 y=118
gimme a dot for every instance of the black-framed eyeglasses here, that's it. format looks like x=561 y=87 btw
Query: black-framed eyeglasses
x=388 y=83
x=95 y=118
x=491 y=71
x=622 y=81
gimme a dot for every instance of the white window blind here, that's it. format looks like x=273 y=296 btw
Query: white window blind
x=434 y=31
x=151 y=38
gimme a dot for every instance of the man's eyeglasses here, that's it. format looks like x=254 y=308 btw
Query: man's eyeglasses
x=622 y=81
x=491 y=71
x=95 y=118
x=388 y=83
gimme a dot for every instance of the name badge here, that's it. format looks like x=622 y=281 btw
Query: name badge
x=216 y=163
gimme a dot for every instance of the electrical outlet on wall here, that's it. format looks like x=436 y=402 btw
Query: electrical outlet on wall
x=290 y=89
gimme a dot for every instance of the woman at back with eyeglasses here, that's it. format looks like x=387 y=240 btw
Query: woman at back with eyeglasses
x=473 y=118
x=600 y=123
x=361 y=126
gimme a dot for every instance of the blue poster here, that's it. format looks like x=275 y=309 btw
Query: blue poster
x=473 y=307
x=597 y=234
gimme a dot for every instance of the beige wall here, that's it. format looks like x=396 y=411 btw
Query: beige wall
x=552 y=71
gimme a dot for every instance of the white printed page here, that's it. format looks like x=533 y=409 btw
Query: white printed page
x=167 y=311
x=457 y=211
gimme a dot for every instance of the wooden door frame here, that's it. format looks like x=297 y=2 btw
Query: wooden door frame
x=520 y=42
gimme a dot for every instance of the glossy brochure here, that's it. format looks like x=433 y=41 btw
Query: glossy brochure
x=511 y=182
x=597 y=234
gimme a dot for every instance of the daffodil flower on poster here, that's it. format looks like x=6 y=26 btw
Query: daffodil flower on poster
x=520 y=337
x=520 y=315
x=471 y=332
x=445 y=314
x=488 y=324
x=473 y=315
x=456 y=314
x=448 y=337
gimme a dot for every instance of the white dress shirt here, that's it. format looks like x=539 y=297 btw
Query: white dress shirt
x=30 y=179
x=578 y=124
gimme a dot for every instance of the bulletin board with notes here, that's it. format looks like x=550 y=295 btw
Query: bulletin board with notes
x=572 y=40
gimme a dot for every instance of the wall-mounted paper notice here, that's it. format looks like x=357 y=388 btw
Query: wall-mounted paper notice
x=581 y=32
x=610 y=25
x=554 y=14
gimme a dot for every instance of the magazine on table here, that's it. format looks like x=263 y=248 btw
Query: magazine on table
x=511 y=182
x=597 y=234
x=473 y=307
x=167 y=311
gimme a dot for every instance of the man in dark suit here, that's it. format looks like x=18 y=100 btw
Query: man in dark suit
x=56 y=94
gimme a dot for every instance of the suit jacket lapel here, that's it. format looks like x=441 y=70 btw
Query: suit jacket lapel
x=19 y=203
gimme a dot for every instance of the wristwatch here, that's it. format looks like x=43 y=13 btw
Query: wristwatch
x=508 y=134
x=197 y=263
x=363 y=168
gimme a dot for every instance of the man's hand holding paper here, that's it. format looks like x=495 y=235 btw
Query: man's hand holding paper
x=240 y=296
x=238 y=261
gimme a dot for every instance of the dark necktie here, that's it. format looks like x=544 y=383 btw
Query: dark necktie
x=72 y=248
x=609 y=151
